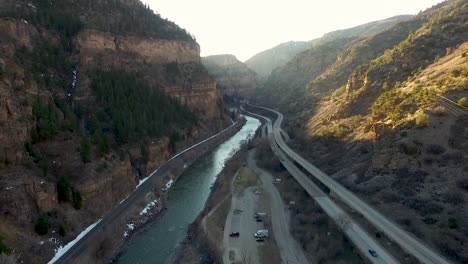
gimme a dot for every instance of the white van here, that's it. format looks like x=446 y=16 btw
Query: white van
x=261 y=234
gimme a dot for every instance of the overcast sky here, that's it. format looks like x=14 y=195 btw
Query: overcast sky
x=246 y=27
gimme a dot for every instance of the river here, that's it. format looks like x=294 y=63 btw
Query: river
x=186 y=199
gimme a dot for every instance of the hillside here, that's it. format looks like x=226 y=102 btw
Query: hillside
x=291 y=79
x=333 y=54
x=388 y=120
x=233 y=77
x=94 y=96
x=266 y=61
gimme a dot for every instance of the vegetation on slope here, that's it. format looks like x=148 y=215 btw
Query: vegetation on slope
x=69 y=16
x=132 y=111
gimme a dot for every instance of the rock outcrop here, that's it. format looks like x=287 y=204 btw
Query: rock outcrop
x=92 y=43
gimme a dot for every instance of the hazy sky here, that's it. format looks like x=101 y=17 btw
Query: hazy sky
x=246 y=27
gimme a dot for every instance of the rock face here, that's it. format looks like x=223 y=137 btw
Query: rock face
x=234 y=77
x=91 y=43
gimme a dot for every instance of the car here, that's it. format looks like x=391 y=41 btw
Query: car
x=234 y=234
x=260 y=239
x=373 y=253
x=258 y=219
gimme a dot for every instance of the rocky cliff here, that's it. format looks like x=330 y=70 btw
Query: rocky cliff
x=87 y=108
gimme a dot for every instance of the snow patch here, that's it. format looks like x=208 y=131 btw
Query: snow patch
x=144 y=179
x=63 y=249
x=54 y=240
x=41 y=243
x=125 y=234
x=148 y=207
x=8 y=188
x=168 y=185
x=131 y=226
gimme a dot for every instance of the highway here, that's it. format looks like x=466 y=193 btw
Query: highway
x=358 y=236
x=407 y=241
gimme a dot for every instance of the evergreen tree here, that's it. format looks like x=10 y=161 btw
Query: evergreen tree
x=41 y=227
x=63 y=189
x=76 y=199
x=85 y=150
x=61 y=231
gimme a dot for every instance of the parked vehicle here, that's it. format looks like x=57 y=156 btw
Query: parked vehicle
x=373 y=253
x=234 y=234
x=259 y=239
x=277 y=180
x=258 y=219
x=261 y=234
x=260 y=215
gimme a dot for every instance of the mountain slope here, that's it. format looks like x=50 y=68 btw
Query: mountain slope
x=393 y=128
x=266 y=61
x=233 y=77
x=94 y=96
x=343 y=49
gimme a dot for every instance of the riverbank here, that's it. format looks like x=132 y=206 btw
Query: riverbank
x=198 y=246
x=186 y=199
x=145 y=203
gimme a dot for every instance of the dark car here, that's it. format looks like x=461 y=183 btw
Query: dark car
x=260 y=239
x=234 y=234
x=373 y=253
x=259 y=219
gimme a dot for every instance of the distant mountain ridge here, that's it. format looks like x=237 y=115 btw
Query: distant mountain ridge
x=266 y=61
x=233 y=77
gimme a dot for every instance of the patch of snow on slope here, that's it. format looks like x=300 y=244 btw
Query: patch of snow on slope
x=148 y=207
x=168 y=185
x=62 y=250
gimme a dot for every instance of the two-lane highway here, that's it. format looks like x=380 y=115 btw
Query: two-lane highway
x=358 y=236
x=407 y=241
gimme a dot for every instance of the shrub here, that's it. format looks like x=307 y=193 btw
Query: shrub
x=453 y=197
x=44 y=167
x=76 y=199
x=452 y=223
x=85 y=150
x=463 y=102
x=4 y=249
x=41 y=226
x=409 y=148
x=463 y=183
x=429 y=220
x=435 y=149
x=61 y=231
x=63 y=189
x=422 y=119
